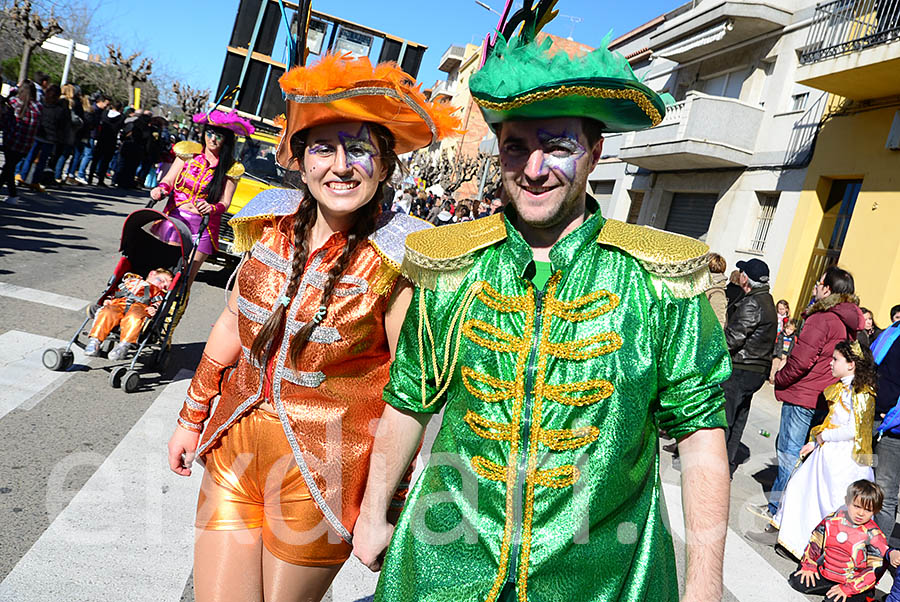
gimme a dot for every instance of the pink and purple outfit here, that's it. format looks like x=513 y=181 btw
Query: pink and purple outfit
x=192 y=185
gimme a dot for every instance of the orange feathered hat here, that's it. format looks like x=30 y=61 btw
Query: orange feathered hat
x=341 y=88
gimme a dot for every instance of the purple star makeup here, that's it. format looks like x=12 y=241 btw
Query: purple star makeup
x=561 y=153
x=360 y=149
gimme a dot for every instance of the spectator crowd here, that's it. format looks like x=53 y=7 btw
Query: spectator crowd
x=55 y=135
x=831 y=507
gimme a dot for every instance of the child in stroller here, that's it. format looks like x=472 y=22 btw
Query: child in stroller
x=135 y=300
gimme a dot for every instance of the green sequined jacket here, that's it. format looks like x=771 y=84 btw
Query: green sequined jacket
x=544 y=478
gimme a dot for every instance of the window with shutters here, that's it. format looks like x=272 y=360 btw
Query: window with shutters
x=768 y=202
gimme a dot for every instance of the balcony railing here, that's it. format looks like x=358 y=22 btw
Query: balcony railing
x=845 y=26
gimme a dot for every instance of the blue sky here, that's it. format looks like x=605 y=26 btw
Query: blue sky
x=192 y=46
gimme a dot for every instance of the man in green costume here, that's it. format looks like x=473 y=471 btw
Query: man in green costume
x=557 y=343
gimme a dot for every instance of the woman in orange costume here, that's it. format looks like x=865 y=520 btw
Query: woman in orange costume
x=310 y=330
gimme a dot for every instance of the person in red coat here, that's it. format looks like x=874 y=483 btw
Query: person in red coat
x=835 y=316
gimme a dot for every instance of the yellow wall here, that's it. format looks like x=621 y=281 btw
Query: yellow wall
x=852 y=146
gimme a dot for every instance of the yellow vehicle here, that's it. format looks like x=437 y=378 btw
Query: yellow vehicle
x=257 y=155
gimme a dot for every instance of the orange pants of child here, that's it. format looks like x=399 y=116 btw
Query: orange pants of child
x=114 y=314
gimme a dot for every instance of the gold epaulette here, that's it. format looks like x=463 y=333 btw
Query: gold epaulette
x=446 y=253
x=680 y=262
x=235 y=171
x=186 y=149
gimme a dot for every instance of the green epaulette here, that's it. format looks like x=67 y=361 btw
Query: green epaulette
x=679 y=262
x=442 y=256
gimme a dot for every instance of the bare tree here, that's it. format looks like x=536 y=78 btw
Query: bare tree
x=33 y=31
x=132 y=71
x=191 y=101
x=450 y=172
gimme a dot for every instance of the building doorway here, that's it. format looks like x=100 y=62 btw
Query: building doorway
x=838 y=209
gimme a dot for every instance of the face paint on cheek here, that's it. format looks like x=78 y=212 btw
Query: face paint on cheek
x=565 y=151
x=360 y=149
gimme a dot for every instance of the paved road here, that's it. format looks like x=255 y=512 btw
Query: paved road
x=87 y=504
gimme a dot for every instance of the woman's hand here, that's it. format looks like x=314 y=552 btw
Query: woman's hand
x=819 y=439
x=183 y=442
x=203 y=208
x=156 y=193
x=807 y=449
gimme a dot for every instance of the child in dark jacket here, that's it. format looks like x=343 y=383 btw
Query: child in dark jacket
x=784 y=344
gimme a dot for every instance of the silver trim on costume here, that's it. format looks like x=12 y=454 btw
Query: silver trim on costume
x=320 y=334
x=197 y=407
x=358 y=286
x=270 y=258
x=304 y=379
x=191 y=426
x=311 y=484
x=254 y=312
x=239 y=411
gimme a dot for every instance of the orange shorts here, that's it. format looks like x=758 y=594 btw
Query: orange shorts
x=252 y=481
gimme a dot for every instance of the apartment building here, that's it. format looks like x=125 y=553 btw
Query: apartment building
x=848 y=210
x=728 y=162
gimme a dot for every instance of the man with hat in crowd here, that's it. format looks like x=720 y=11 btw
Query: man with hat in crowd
x=557 y=343
x=750 y=331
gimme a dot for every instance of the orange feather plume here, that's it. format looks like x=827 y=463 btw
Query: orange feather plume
x=339 y=72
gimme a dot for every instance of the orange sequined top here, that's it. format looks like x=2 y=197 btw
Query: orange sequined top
x=330 y=404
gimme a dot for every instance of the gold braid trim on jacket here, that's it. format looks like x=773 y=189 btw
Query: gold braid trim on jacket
x=863 y=416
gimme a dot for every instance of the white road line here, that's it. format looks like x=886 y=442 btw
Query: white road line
x=23 y=379
x=36 y=296
x=127 y=533
x=747 y=574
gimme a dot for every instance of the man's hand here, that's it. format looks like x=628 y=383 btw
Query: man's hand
x=807 y=577
x=807 y=449
x=836 y=593
x=370 y=541
x=705 y=485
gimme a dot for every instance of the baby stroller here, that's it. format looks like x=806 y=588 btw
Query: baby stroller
x=141 y=252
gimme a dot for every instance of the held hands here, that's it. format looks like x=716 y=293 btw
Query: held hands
x=807 y=449
x=370 y=541
x=182 y=449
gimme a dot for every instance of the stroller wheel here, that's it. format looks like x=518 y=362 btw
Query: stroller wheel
x=68 y=359
x=131 y=381
x=115 y=377
x=53 y=359
x=107 y=345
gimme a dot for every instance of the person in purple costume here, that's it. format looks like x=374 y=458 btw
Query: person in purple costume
x=201 y=182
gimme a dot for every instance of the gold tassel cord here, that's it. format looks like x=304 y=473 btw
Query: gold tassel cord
x=442 y=377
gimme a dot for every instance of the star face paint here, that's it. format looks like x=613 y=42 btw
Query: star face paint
x=360 y=149
x=561 y=153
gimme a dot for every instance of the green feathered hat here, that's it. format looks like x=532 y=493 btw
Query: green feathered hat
x=519 y=79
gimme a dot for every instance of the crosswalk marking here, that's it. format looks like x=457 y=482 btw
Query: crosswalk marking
x=30 y=294
x=23 y=378
x=127 y=534
x=747 y=574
